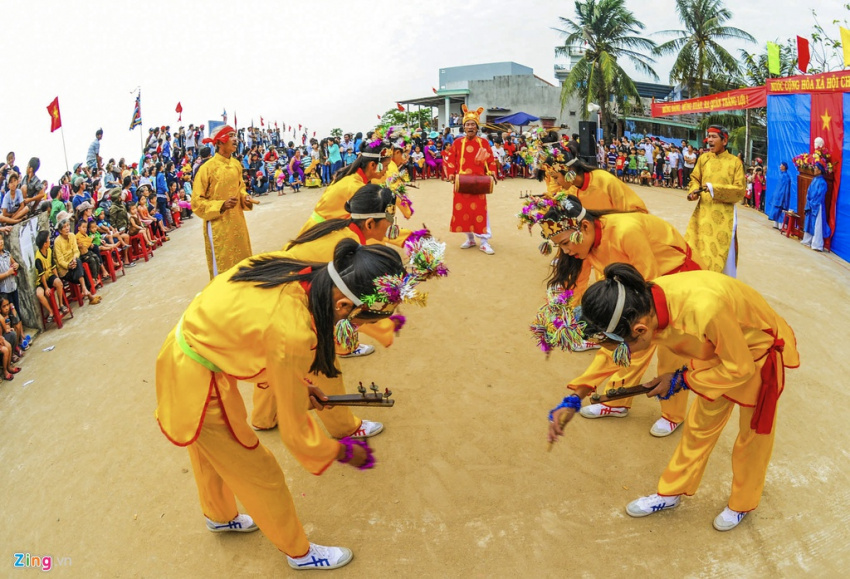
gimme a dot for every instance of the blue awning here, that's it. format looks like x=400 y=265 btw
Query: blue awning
x=518 y=119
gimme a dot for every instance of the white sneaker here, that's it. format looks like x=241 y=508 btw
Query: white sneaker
x=485 y=247
x=601 y=411
x=367 y=429
x=320 y=557
x=585 y=346
x=645 y=506
x=467 y=244
x=240 y=524
x=663 y=427
x=361 y=350
x=728 y=519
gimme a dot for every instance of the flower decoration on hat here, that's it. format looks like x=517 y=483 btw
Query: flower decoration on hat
x=556 y=325
x=554 y=216
x=395 y=183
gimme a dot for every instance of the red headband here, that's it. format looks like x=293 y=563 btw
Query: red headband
x=220 y=135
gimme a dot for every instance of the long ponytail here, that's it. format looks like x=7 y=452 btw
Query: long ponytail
x=357 y=265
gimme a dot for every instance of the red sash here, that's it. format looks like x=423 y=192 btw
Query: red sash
x=769 y=392
x=688 y=265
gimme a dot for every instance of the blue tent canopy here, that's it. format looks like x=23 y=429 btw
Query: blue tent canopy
x=518 y=119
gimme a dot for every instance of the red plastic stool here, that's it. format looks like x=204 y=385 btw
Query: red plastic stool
x=57 y=315
x=791 y=225
x=112 y=257
x=139 y=247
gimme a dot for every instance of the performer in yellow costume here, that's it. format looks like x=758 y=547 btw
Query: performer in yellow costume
x=269 y=319
x=372 y=213
x=219 y=198
x=597 y=189
x=717 y=184
x=370 y=164
x=598 y=239
x=737 y=348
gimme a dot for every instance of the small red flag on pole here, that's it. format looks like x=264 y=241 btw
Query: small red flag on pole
x=379 y=117
x=262 y=124
x=802 y=53
x=401 y=108
x=433 y=89
x=55 y=117
x=179 y=111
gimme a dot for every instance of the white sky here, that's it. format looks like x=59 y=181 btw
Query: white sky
x=322 y=64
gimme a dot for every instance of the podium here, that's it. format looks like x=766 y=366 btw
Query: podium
x=804 y=179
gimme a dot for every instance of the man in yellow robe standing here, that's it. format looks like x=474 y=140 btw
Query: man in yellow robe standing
x=220 y=199
x=717 y=184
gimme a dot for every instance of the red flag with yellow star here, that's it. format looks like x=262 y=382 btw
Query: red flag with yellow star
x=55 y=117
x=828 y=123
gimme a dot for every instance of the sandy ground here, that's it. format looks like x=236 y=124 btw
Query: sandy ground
x=464 y=486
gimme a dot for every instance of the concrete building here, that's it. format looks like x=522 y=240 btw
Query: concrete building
x=501 y=88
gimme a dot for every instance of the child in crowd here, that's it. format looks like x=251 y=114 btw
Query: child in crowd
x=56 y=204
x=13 y=321
x=137 y=227
x=418 y=161
x=88 y=253
x=48 y=278
x=668 y=175
x=747 y=201
x=612 y=159
x=349 y=157
x=8 y=342
x=633 y=169
x=8 y=274
x=621 y=166
x=758 y=188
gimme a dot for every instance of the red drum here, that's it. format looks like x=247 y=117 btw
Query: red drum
x=474 y=184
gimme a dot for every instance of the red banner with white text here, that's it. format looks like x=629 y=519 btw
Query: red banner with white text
x=732 y=100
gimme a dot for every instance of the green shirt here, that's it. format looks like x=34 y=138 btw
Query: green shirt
x=55 y=207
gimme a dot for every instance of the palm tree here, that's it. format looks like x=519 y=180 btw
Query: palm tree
x=606 y=30
x=699 y=54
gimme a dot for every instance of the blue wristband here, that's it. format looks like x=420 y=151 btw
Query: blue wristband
x=677 y=383
x=571 y=401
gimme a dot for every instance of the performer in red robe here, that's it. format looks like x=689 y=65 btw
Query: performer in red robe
x=471 y=155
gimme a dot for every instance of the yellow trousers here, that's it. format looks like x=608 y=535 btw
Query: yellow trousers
x=603 y=367
x=340 y=421
x=224 y=468
x=750 y=455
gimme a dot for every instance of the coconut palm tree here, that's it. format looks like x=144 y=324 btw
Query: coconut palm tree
x=607 y=31
x=699 y=53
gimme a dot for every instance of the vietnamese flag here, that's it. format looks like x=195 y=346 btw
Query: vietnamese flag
x=262 y=124
x=433 y=89
x=55 y=117
x=379 y=117
x=179 y=111
x=828 y=123
x=401 y=108
x=802 y=53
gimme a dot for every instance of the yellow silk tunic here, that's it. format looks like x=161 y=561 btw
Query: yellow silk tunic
x=719 y=324
x=225 y=234
x=331 y=204
x=251 y=334
x=711 y=228
x=650 y=244
x=602 y=191
x=654 y=248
